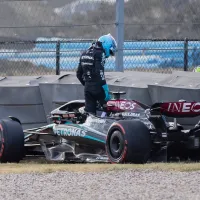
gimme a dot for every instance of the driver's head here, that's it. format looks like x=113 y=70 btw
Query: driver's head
x=109 y=44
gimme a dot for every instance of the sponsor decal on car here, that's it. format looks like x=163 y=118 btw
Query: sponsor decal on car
x=99 y=121
x=126 y=105
x=95 y=120
x=69 y=131
x=184 y=107
x=121 y=105
x=130 y=114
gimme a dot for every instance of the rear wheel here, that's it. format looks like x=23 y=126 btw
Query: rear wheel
x=11 y=141
x=128 y=142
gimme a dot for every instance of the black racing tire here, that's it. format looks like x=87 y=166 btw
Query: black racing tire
x=128 y=141
x=11 y=141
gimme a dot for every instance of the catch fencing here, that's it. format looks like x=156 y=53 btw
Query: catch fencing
x=52 y=34
x=43 y=57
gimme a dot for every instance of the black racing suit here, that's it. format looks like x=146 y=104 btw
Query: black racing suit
x=90 y=73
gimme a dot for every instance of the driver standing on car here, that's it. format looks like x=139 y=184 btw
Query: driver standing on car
x=90 y=72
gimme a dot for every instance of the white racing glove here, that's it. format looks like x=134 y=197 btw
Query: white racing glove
x=82 y=110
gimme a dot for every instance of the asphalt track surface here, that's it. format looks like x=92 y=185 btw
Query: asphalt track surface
x=112 y=185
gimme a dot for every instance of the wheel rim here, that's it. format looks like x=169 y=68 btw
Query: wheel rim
x=116 y=144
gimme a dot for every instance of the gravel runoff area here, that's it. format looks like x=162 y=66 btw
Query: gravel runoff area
x=112 y=185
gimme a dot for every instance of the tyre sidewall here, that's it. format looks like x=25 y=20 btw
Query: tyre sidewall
x=2 y=145
x=137 y=142
x=12 y=148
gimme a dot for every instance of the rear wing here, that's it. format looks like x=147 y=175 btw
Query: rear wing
x=176 y=109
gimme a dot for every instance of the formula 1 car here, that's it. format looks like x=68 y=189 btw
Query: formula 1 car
x=124 y=131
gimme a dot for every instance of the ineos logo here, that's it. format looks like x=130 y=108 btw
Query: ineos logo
x=122 y=105
x=126 y=105
x=184 y=107
x=195 y=107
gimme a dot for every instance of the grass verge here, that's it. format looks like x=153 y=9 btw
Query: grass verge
x=34 y=167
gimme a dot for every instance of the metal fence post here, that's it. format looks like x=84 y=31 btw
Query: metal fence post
x=119 y=35
x=58 y=58
x=186 y=54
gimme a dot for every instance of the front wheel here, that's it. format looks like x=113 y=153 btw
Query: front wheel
x=11 y=141
x=128 y=142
